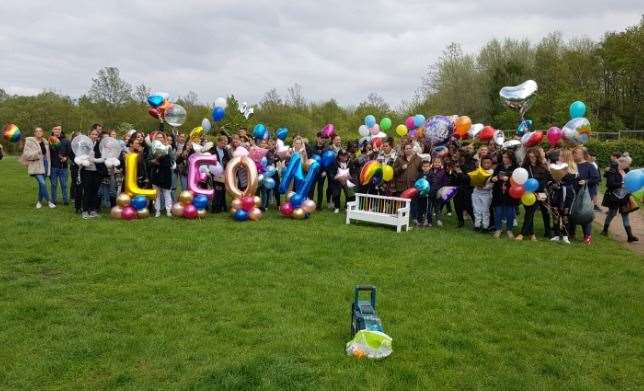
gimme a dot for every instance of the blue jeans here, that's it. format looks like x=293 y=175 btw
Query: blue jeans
x=59 y=175
x=504 y=212
x=42 y=188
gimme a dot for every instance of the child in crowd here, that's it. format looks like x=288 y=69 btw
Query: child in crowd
x=424 y=215
x=560 y=198
x=482 y=198
x=341 y=181
x=437 y=179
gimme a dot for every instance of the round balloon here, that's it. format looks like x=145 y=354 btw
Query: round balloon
x=175 y=115
x=177 y=209
x=577 y=109
x=286 y=208
x=139 y=202
x=369 y=121
x=200 y=201
x=520 y=176
x=190 y=212
x=531 y=185
x=419 y=120
x=128 y=213
x=259 y=131
x=240 y=215
x=409 y=123
x=116 y=212
x=634 y=180
x=385 y=124
x=296 y=200
x=401 y=130
x=123 y=200
x=516 y=192
x=528 y=198
x=218 y=113
x=221 y=102
x=554 y=135
x=363 y=130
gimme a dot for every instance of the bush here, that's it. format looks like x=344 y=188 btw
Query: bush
x=603 y=150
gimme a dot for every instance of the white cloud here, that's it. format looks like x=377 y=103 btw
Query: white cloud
x=333 y=48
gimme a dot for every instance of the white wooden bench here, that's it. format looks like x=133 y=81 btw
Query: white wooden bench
x=380 y=209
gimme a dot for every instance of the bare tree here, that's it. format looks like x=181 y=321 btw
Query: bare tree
x=141 y=93
x=108 y=87
x=295 y=96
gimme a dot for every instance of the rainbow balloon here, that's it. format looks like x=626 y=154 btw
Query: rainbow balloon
x=11 y=133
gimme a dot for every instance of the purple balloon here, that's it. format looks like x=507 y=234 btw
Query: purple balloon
x=439 y=128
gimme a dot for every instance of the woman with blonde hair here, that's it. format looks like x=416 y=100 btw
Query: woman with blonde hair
x=37 y=159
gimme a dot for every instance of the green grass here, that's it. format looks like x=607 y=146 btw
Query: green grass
x=215 y=304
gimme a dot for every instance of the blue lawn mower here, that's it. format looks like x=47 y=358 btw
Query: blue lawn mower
x=363 y=312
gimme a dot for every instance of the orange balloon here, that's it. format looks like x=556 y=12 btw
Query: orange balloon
x=463 y=124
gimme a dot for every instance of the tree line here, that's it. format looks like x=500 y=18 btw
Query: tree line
x=607 y=75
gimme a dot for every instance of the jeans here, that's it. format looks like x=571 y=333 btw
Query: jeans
x=528 y=220
x=104 y=195
x=42 y=188
x=504 y=212
x=184 y=182
x=167 y=199
x=585 y=228
x=59 y=175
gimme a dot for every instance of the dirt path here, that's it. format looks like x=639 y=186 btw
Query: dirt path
x=616 y=229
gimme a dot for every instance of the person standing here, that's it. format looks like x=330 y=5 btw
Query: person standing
x=223 y=157
x=406 y=169
x=89 y=177
x=616 y=198
x=504 y=205
x=36 y=157
x=587 y=176
x=537 y=169
x=59 y=152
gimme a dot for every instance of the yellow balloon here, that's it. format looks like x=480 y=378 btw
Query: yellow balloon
x=479 y=176
x=387 y=172
x=528 y=198
x=401 y=130
x=298 y=214
x=196 y=133
x=258 y=201
x=131 y=187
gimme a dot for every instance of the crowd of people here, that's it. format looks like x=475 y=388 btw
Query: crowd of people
x=490 y=208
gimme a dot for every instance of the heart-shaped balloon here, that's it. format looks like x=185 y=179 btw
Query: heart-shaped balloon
x=155 y=100
x=520 y=97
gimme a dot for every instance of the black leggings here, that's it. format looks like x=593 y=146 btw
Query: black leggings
x=89 y=181
x=612 y=212
x=463 y=202
x=528 y=219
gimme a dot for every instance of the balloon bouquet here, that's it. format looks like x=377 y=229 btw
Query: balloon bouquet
x=130 y=208
x=164 y=110
x=371 y=131
x=522 y=187
x=245 y=205
x=11 y=133
x=190 y=206
x=576 y=131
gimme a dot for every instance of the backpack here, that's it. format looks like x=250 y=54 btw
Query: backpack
x=581 y=211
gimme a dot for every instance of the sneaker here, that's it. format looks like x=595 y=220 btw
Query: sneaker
x=588 y=240
x=510 y=235
x=415 y=222
x=168 y=213
x=449 y=214
x=516 y=223
x=555 y=239
x=38 y=205
x=93 y=214
x=428 y=225
x=565 y=240
x=52 y=205
x=336 y=210
x=157 y=213
x=476 y=229
x=533 y=238
x=439 y=223
x=85 y=215
x=519 y=237
x=497 y=234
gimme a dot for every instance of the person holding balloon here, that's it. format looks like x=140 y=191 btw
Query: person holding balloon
x=318 y=149
x=36 y=157
x=223 y=157
x=503 y=203
x=406 y=170
x=90 y=176
x=463 y=163
x=587 y=176
x=482 y=196
x=161 y=162
x=538 y=177
x=616 y=197
x=339 y=174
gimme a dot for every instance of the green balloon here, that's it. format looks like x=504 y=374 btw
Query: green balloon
x=385 y=124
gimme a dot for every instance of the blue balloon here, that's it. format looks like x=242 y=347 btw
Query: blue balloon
x=155 y=100
x=200 y=201
x=422 y=185
x=531 y=185
x=260 y=131
x=419 y=120
x=268 y=182
x=282 y=133
x=270 y=171
x=370 y=121
x=524 y=126
x=577 y=109
x=328 y=158
x=218 y=113
x=296 y=200
x=317 y=158
x=634 y=180
x=240 y=215
x=139 y=202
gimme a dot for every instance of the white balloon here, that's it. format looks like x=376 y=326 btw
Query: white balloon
x=520 y=176
x=206 y=125
x=363 y=130
x=220 y=102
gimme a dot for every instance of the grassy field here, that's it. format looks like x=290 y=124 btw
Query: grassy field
x=215 y=304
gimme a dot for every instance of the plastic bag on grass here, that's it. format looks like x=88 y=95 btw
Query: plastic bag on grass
x=370 y=344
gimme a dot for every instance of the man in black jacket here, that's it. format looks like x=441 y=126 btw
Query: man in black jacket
x=223 y=156
x=318 y=149
x=60 y=151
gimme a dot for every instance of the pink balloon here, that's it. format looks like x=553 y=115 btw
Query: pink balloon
x=128 y=213
x=257 y=153
x=248 y=203
x=286 y=209
x=409 y=122
x=375 y=130
x=554 y=135
x=190 y=212
x=195 y=177
x=328 y=131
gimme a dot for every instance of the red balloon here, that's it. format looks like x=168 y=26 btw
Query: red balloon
x=154 y=112
x=535 y=139
x=286 y=209
x=376 y=142
x=248 y=203
x=190 y=212
x=487 y=133
x=516 y=192
x=409 y=193
x=128 y=213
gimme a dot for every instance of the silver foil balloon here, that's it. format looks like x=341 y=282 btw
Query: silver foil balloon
x=576 y=131
x=439 y=128
x=475 y=129
x=82 y=145
x=110 y=148
x=175 y=115
x=511 y=144
x=499 y=138
x=521 y=97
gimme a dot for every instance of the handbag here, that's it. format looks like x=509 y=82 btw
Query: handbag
x=581 y=211
x=630 y=206
x=620 y=193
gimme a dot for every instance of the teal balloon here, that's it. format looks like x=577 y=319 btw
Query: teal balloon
x=422 y=185
x=155 y=100
x=370 y=121
x=282 y=133
x=577 y=109
x=260 y=131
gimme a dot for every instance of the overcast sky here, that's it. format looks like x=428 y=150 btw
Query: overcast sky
x=342 y=49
